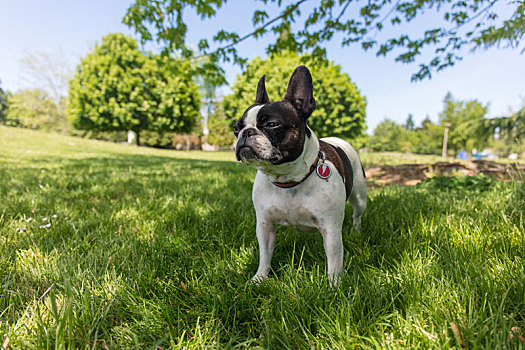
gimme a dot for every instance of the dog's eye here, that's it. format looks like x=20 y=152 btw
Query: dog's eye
x=272 y=124
x=236 y=130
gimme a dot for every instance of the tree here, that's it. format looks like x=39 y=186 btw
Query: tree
x=425 y=123
x=340 y=108
x=4 y=95
x=49 y=72
x=510 y=131
x=409 y=124
x=388 y=136
x=468 y=129
x=428 y=139
x=33 y=109
x=220 y=127
x=118 y=88
x=468 y=23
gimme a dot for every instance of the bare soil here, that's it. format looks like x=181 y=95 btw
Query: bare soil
x=412 y=174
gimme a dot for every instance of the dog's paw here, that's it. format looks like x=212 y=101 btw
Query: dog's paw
x=334 y=279
x=258 y=279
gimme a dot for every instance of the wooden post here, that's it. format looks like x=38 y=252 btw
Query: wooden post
x=205 y=130
x=445 y=140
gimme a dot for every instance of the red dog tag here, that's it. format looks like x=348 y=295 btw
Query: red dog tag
x=323 y=170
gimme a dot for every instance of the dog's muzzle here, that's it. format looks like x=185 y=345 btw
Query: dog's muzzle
x=244 y=153
x=253 y=146
x=244 y=150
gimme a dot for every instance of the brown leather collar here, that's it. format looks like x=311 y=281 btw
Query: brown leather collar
x=293 y=184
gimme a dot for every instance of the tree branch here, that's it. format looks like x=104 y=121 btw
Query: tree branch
x=247 y=36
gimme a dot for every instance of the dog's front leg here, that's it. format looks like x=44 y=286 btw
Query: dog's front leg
x=333 y=246
x=266 y=238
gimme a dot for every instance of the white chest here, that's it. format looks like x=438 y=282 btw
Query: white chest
x=307 y=207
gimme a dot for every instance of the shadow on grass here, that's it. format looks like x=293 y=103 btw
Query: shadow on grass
x=130 y=213
x=171 y=244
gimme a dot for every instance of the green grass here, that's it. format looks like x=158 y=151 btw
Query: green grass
x=109 y=246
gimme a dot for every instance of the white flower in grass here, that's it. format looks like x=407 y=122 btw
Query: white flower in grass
x=29 y=219
x=20 y=229
x=44 y=219
x=45 y=226
x=54 y=216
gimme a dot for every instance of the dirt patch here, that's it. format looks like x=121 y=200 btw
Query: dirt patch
x=411 y=174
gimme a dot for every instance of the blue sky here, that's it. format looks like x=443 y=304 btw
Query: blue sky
x=494 y=76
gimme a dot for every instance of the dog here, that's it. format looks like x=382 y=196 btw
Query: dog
x=302 y=182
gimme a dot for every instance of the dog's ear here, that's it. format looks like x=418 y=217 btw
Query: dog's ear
x=262 y=95
x=300 y=92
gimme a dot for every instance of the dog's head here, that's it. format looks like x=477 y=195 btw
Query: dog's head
x=274 y=133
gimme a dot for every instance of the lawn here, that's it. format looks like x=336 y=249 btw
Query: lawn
x=110 y=246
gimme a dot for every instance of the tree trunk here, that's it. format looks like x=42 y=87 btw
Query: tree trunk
x=138 y=137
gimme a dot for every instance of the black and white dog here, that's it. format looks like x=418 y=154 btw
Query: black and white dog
x=276 y=140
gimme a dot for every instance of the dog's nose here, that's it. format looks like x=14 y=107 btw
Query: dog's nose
x=249 y=132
